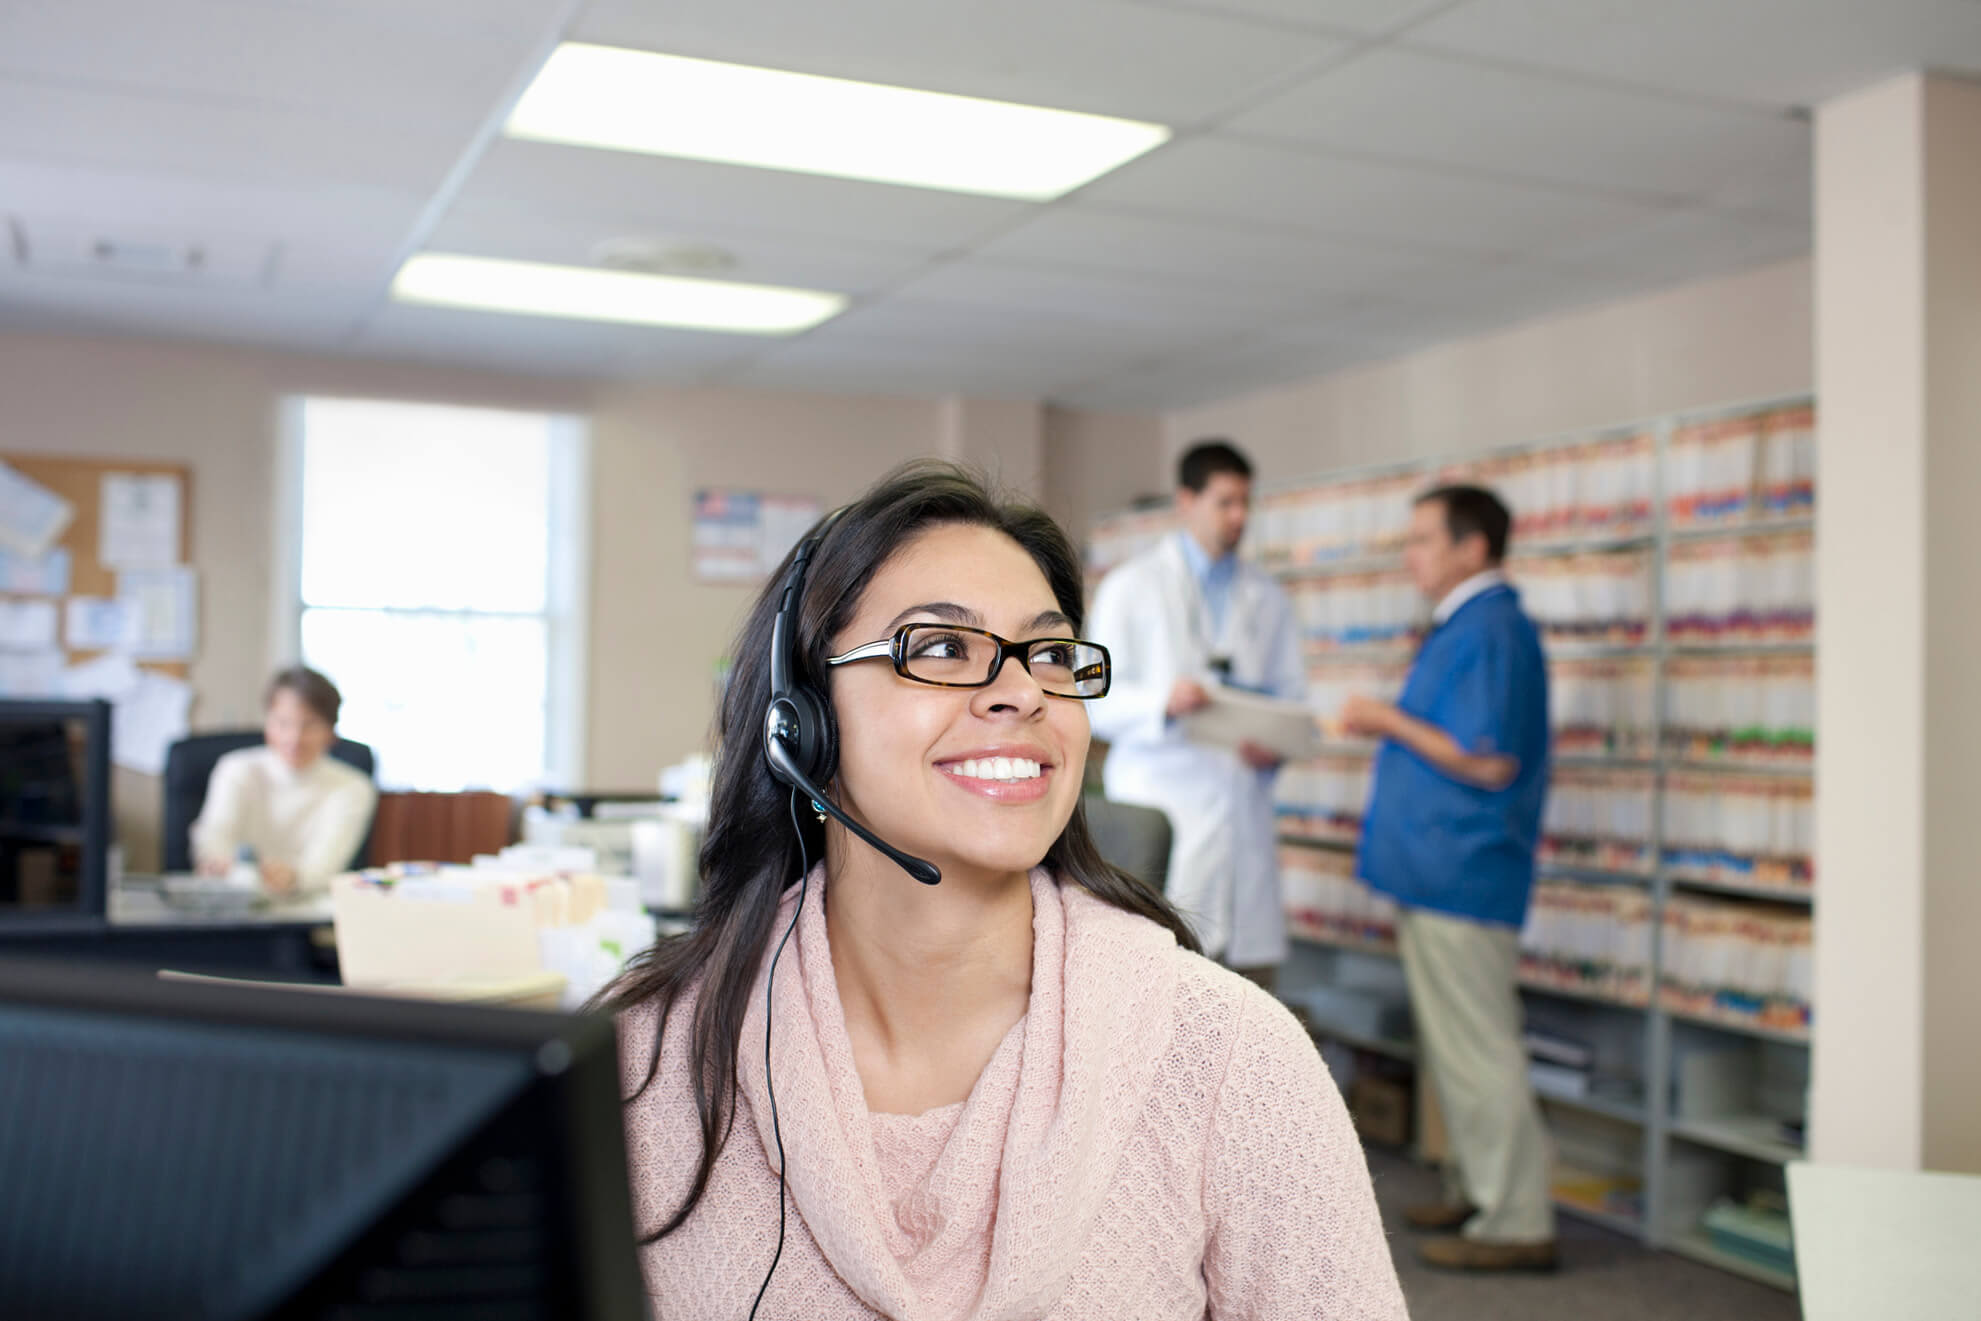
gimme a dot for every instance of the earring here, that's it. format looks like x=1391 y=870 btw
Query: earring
x=819 y=809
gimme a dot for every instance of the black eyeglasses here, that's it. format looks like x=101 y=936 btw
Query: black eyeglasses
x=951 y=656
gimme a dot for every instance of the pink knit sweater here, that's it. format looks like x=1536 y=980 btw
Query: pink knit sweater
x=1156 y=1139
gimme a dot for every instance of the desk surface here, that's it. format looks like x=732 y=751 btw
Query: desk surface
x=1895 y=1244
x=137 y=902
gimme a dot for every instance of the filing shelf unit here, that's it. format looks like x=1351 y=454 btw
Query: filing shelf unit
x=1662 y=1224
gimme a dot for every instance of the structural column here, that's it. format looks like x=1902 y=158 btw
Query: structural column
x=1897 y=1064
x=1004 y=438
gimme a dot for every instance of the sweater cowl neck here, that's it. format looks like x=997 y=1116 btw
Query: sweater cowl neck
x=1036 y=1146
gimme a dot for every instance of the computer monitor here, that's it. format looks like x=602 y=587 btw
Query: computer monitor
x=187 y=1150
x=55 y=819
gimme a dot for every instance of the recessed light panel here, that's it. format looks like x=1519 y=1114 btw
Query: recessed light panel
x=669 y=105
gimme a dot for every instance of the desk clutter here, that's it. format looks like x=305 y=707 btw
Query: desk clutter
x=516 y=915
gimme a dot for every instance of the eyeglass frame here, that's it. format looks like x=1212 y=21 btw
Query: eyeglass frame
x=894 y=648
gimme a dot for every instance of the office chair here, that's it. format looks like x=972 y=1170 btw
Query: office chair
x=1135 y=839
x=189 y=768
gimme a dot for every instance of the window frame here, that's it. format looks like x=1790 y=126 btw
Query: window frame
x=567 y=605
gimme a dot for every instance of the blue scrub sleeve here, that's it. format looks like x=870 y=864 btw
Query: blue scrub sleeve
x=1485 y=703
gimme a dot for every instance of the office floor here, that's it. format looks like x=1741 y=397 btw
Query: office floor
x=1604 y=1276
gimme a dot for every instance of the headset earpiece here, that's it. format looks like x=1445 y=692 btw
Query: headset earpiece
x=799 y=718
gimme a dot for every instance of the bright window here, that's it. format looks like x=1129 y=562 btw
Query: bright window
x=439 y=574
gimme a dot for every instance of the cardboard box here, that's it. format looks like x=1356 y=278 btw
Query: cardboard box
x=1380 y=1108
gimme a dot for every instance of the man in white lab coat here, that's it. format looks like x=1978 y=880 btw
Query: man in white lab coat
x=1180 y=619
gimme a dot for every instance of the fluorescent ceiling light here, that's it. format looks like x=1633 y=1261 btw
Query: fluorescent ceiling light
x=539 y=289
x=668 y=105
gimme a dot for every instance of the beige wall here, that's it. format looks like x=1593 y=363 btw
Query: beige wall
x=1098 y=462
x=1740 y=337
x=654 y=634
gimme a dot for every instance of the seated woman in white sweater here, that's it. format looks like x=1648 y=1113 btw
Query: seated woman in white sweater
x=301 y=811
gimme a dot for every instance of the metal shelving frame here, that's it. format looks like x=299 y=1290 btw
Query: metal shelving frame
x=1659 y=1125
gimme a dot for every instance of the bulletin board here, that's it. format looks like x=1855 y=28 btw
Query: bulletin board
x=80 y=482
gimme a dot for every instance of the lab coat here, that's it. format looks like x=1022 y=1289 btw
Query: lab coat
x=1224 y=857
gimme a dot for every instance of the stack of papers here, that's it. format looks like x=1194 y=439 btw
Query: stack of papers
x=414 y=925
x=1235 y=716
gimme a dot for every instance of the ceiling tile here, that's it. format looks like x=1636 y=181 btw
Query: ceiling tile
x=1219 y=372
x=314 y=58
x=1491 y=298
x=1770 y=52
x=1054 y=347
x=1103 y=56
x=331 y=239
x=1143 y=304
x=1689 y=245
x=1368 y=17
x=683 y=197
x=1332 y=194
x=526 y=233
x=1453 y=112
x=834 y=369
x=1093 y=237
x=64 y=125
x=170 y=311
x=548 y=345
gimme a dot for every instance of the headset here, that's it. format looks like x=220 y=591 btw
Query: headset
x=801 y=746
x=801 y=742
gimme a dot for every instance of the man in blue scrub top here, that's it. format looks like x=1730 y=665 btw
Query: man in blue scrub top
x=1454 y=817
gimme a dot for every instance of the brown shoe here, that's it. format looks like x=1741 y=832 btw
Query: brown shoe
x=1470 y=1254
x=1439 y=1216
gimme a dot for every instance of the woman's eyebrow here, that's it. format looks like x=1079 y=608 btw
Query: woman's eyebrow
x=949 y=610
x=963 y=614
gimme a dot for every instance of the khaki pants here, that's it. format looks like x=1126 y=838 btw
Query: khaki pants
x=1465 y=1000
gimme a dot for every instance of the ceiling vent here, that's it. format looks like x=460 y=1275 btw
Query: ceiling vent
x=61 y=247
x=651 y=256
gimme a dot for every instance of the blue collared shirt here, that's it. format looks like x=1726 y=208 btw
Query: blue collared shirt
x=1214 y=580
x=1430 y=841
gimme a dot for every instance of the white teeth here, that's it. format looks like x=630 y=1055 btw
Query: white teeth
x=997 y=768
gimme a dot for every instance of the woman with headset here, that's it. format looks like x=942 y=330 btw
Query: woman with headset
x=989 y=1073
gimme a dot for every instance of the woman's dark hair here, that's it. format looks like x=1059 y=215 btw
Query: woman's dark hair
x=751 y=853
x=316 y=692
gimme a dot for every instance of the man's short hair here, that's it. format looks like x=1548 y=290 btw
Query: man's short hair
x=1206 y=459
x=312 y=689
x=1473 y=509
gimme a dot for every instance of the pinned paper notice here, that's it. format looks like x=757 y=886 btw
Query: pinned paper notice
x=31 y=673
x=28 y=626
x=35 y=575
x=148 y=721
x=161 y=617
x=31 y=515
x=106 y=676
x=149 y=710
x=139 y=526
x=97 y=624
